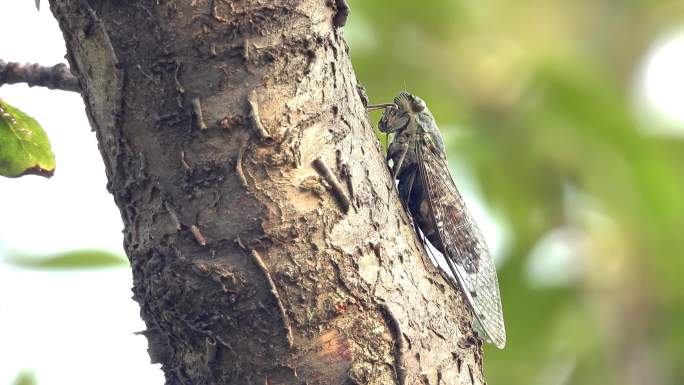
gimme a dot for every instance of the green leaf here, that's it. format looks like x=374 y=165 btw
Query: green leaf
x=78 y=259
x=25 y=378
x=24 y=146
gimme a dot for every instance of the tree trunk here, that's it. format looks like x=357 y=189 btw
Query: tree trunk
x=267 y=242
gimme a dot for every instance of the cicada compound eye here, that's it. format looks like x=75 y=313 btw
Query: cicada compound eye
x=393 y=119
x=418 y=104
x=383 y=125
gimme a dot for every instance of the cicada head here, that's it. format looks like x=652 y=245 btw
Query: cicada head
x=396 y=117
x=393 y=120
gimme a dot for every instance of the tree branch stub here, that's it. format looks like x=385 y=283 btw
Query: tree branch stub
x=57 y=77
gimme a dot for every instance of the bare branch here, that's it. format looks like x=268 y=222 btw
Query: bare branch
x=57 y=77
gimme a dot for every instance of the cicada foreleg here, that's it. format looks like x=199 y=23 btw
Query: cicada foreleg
x=396 y=166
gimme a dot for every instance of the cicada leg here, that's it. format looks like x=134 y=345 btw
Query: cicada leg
x=375 y=107
x=397 y=167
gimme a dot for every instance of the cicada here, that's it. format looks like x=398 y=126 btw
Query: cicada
x=429 y=193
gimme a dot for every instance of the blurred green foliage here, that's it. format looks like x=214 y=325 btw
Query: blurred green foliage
x=25 y=378
x=535 y=97
x=75 y=259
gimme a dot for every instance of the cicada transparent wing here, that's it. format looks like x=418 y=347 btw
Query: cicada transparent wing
x=464 y=247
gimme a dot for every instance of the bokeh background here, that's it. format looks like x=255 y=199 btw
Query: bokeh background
x=564 y=124
x=566 y=119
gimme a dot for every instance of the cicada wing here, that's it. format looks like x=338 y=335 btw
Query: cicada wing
x=465 y=249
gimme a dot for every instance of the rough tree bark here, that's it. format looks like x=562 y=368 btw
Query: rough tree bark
x=266 y=239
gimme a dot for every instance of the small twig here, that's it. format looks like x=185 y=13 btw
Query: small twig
x=241 y=245
x=183 y=161
x=57 y=77
x=173 y=214
x=199 y=237
x=256 y=119
x=197 y=109
x=179 y=86
x=238 y=166
x=286 y=321
x=210 y=344
x=245 y=50
x=340 y=18
x=345 y=173
x=337 y=190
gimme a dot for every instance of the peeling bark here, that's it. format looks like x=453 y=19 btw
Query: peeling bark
x=267 y=242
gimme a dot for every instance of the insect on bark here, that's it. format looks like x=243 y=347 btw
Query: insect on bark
x=429 y=193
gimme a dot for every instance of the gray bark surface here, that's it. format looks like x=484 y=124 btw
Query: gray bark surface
x=267 y=242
